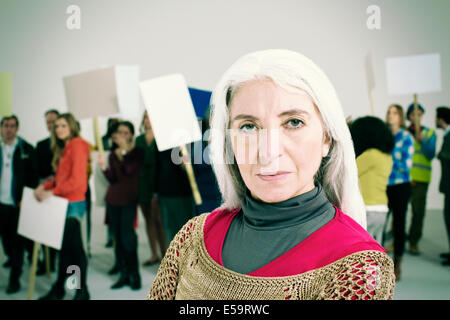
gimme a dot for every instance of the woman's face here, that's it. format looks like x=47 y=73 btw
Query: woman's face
x=62 y=129
x=393 y=117
x=123 y=133
x=278 y=140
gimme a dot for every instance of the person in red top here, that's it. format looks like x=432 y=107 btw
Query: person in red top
x=70 y=160
x=125 y=164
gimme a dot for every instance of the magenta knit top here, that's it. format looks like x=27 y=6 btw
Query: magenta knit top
x=337 y=239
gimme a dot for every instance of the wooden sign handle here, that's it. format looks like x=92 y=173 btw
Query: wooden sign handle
x=33 y=270
x=372 y=102
x=191 y=177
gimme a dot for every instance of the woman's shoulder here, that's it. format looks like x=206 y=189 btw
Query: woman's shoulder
x=140 y=140
x=349 y=237
x=78 y=144
x=406 y=135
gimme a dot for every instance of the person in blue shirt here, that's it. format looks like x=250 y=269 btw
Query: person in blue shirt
x=399 y=184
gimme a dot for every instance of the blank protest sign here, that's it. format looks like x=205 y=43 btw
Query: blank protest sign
x=42 y=222
x=104 y=92
x=413 y=74
x=171 y=111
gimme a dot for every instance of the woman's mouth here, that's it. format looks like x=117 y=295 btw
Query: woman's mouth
x=277 y=176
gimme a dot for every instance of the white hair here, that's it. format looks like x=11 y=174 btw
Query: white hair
x=338 y=173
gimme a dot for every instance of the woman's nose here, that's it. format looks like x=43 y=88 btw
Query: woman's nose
x=268 y=145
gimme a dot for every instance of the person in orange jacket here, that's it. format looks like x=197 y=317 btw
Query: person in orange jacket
x=70 y=161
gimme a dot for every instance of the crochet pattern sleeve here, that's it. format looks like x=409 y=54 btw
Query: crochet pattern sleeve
x=165 y=284
x=368 y=275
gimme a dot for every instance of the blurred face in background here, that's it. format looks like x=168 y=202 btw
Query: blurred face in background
x=412 y=115
x=393 y=117
x=50 y=119
x=282 y=140
x=122 y=135
x=9 y=130
x=62 y=129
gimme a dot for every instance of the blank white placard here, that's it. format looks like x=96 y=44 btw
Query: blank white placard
x=44 y=221
x=103 y=92
x=171 y=111
x=413 y=74
x=128 y=95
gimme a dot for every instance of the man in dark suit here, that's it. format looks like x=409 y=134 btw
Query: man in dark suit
x=17 y=169
x=43 y=151
x=443 y=122
x=44 y=157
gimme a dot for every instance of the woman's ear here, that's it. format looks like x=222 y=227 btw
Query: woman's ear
x=326 y=145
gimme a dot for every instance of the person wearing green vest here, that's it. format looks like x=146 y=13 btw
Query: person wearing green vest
x=424 y=152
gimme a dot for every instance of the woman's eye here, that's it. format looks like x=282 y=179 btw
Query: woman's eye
x=294 y=123
x=248 y=127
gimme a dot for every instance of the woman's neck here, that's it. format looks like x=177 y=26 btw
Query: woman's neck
x=395 y=129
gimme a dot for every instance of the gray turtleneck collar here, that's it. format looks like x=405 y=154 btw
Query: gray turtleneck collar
x=261 y=232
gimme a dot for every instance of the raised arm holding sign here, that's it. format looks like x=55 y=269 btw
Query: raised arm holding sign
x=173 y=118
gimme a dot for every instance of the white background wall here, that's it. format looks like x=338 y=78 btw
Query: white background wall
x=201 y=38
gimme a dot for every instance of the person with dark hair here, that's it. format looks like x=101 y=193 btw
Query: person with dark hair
x=424 y=152
x=373 y=142
x=148 y=199
x=443 y=122
x=17 y=169
x=107 y=142
x=125 y=164
x=70 y=160
x=107 y=138
x=44 y=157
x=399 y=185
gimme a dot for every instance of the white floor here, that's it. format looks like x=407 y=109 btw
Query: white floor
x=423 y=276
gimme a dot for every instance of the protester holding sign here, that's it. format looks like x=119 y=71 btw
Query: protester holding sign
x=148 y=199
x=44 y=156
x=284 y=161
x=424 y=152
x=17 y=169
x=125 y=164
x=70 y=160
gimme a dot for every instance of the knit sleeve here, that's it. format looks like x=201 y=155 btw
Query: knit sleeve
x=367 y=275
x=165 y=284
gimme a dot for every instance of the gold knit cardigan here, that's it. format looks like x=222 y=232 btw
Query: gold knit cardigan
x=188 y=272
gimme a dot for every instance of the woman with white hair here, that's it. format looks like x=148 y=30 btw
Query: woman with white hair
x=292 y=222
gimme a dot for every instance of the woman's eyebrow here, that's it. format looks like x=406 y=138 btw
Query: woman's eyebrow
x=292 y=112
x=244 y=116
x=283 y=114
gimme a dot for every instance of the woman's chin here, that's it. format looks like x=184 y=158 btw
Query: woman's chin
x=270 y=197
